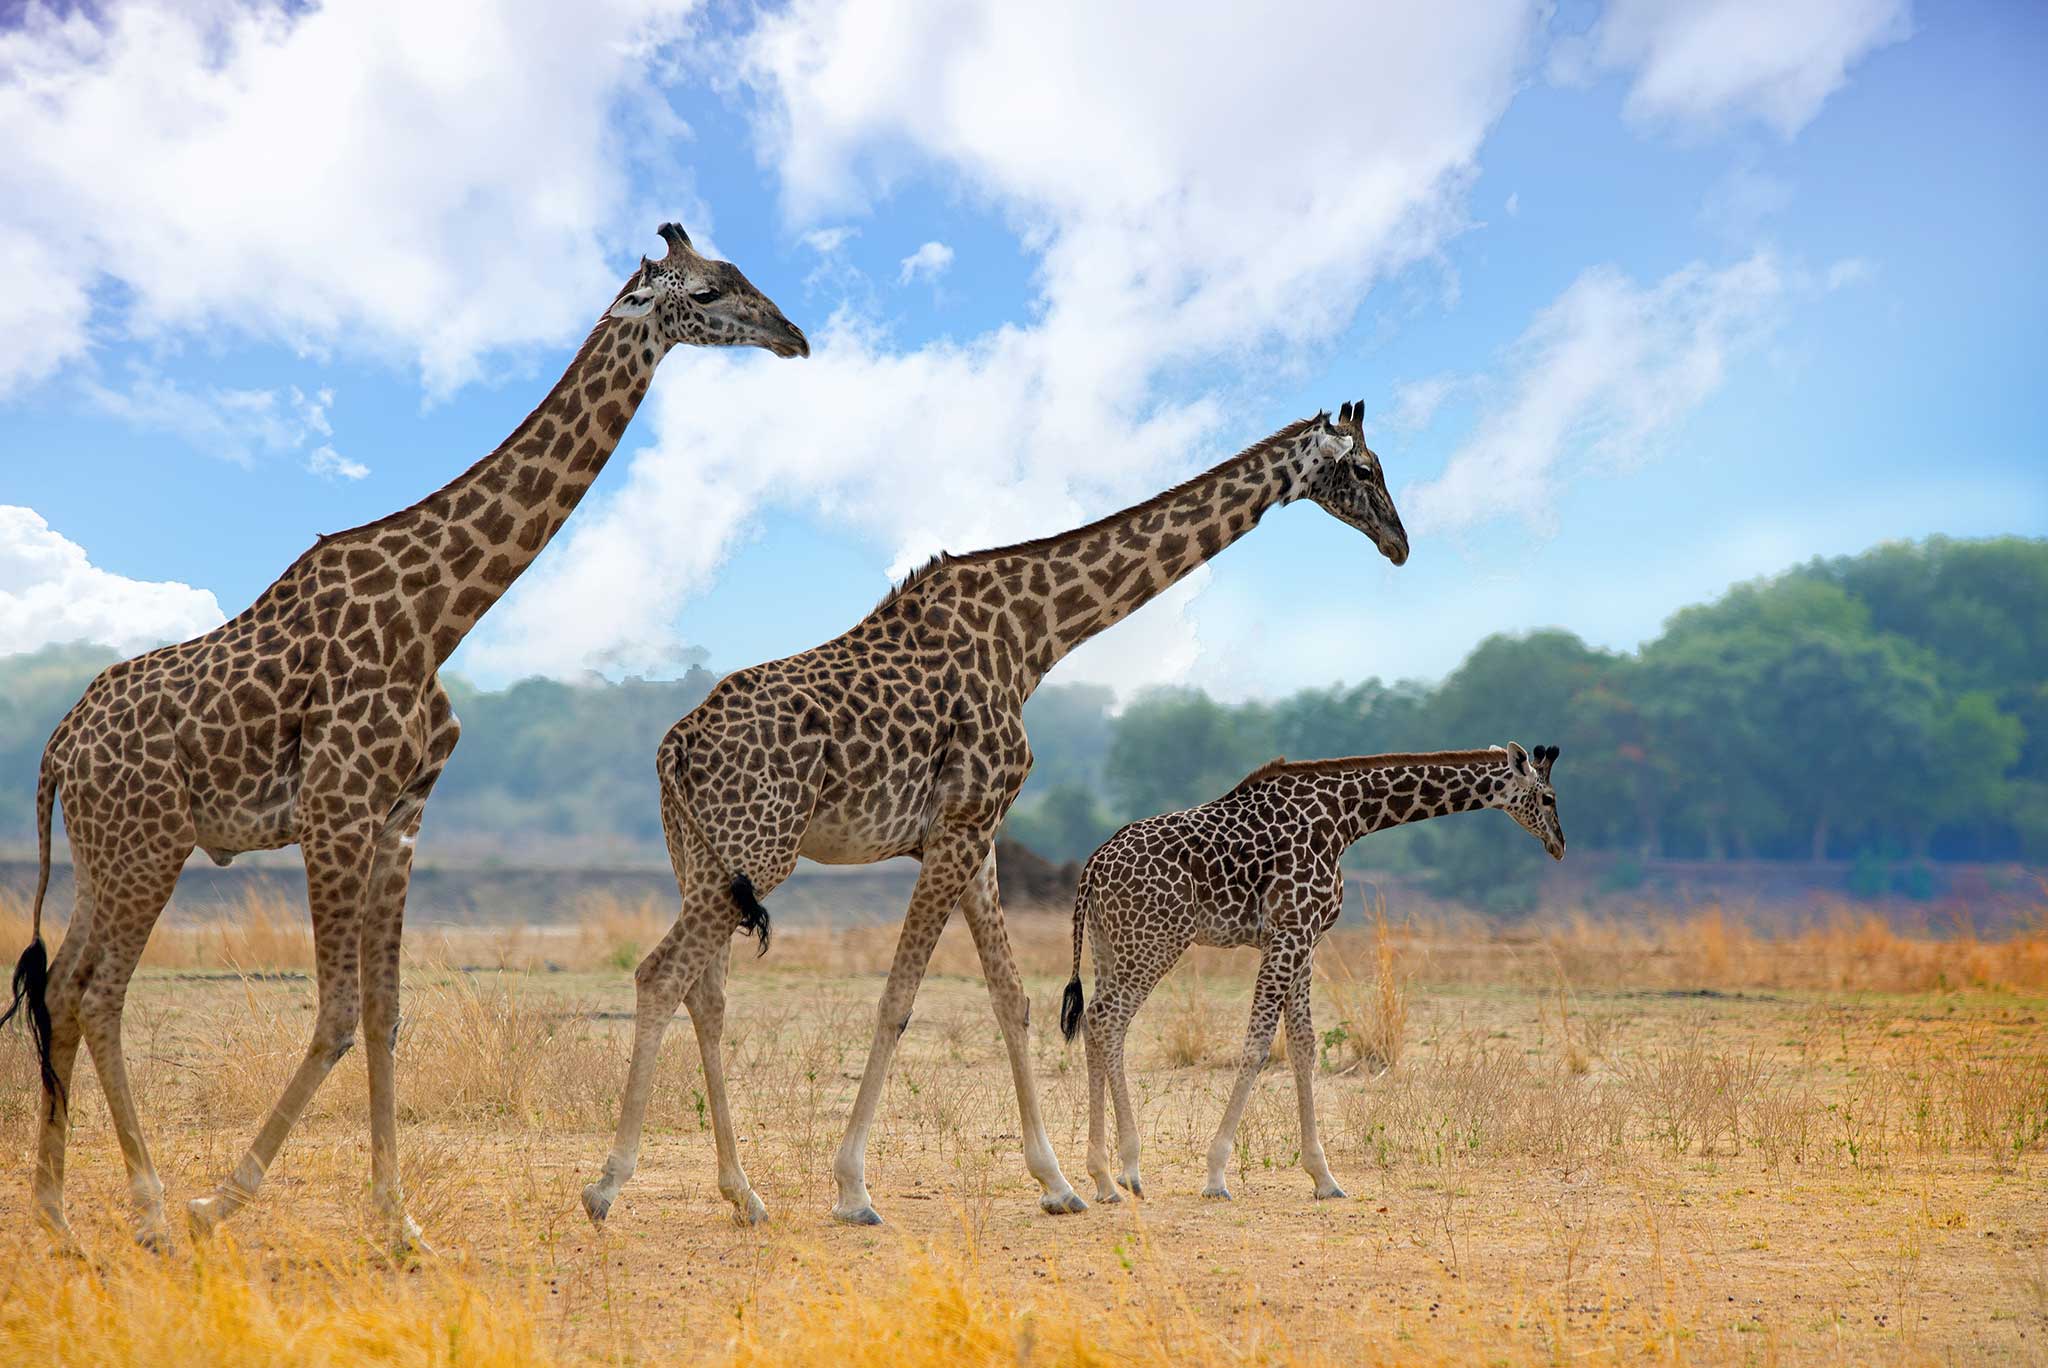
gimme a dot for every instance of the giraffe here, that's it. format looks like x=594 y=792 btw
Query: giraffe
x=317 y=716
x=1258 y=866
x=905 y=736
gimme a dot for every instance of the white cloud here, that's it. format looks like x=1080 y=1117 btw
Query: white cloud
x=1702 y=63
x=928 y=262
x=235 y=425
x=826 y=241
x=1177 y=217
x=1600 y=374
x=1416 y=401
x=425 y=181
x=50 y=592
x=325 y=461
x=1514 y=203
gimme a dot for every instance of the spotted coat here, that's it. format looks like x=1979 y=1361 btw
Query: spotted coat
x=905 y=736
x=1259 y=867
x=317 y=716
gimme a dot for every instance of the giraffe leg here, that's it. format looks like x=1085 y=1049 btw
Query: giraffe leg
x=126 y=909
x=1268 y=990
x=1132 y=977
x=703 y=928
x=1301 y=1053
x=982 y=906
x=54 y=1120
x=338 y=866
x=1094 y=1019
x=705 y=999
x=950 y=861
x=382 y=939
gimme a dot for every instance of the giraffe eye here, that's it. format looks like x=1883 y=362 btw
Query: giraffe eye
x=1550 y=800
x=705 y=296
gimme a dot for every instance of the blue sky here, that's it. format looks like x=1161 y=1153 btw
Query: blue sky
x=1643 y=299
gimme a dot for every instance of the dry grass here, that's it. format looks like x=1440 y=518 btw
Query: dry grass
x=1578 y=1142
x=1372 y=1016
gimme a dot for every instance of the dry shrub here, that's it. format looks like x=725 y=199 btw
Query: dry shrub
x=1187 y=1026
x=1372 y=1017
x=2001 y=1106
x=1693 y=1094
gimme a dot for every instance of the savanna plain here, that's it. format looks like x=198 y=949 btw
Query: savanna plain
x=1664 y=1138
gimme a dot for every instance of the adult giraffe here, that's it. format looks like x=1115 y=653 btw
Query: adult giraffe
x=317 y=716
x=905 y=736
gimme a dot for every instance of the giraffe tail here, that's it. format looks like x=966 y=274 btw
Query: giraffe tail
x=32 y=970
x=673 y=766
x=1073 y=1001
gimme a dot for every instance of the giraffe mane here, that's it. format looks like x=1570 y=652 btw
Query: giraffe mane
x=945 y=558
x=938 y=561
x=1280 y=765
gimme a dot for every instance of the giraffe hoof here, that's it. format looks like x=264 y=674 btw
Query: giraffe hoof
x=596 y=1205
x=751 y=1212
x=1133 y=1186
x=203 y=1216
x=1329 y=1194
x=1107 y=1196
x=1063 y=1204
x=1216 y=1192
x=156 y=1241
x=861 y=1216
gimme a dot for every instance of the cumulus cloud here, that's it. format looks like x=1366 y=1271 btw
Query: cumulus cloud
x=1176 y=217
x=1597 y=378
x=1702 y=63
x=428 y=182
x=50 y=592
x=928 y=262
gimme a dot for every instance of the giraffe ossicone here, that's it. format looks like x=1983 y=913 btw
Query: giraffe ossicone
x=1259 y=866
x=905 y=736
x=316 y=716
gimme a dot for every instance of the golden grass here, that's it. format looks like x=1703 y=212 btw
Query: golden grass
x=1570 y=1154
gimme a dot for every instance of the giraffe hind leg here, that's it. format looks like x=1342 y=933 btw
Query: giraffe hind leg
x=125 y=908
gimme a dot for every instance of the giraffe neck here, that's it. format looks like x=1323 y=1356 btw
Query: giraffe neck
x=456 y=552
x=1059 y=591
x=1395 y=795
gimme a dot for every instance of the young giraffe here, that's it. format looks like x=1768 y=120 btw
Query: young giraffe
x=1258 y=866
x=317 y=716
x=905 y=736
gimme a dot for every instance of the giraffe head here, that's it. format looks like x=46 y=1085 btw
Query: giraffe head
x=1528 y=797
x=1344 y=476
x=691 y=300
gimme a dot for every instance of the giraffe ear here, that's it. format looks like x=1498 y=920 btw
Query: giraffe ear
x=1518 y=759
x=634 y=303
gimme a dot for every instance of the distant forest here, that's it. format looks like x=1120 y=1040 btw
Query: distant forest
x=1888 y=706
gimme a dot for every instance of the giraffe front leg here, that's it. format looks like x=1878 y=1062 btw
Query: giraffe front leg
x=1267 y=993
x=949 y=863
x=1301 y=1053
x=983 y=908
x=381 y=941
x=382 y=936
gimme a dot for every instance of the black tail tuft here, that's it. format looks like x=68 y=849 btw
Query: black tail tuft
x=753 y=916
x=1070 y=1009
x=32 y=986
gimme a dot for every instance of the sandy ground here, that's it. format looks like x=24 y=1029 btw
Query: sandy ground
x=1545 y=1175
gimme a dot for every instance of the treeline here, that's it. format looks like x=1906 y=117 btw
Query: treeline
x=1889 y=705
x=1892 y=705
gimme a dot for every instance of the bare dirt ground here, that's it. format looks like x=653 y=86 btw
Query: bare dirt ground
x=1581 y=1152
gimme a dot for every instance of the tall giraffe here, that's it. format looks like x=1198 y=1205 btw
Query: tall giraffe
x=317 y=716
x=905 y=736
x=1258 y=866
